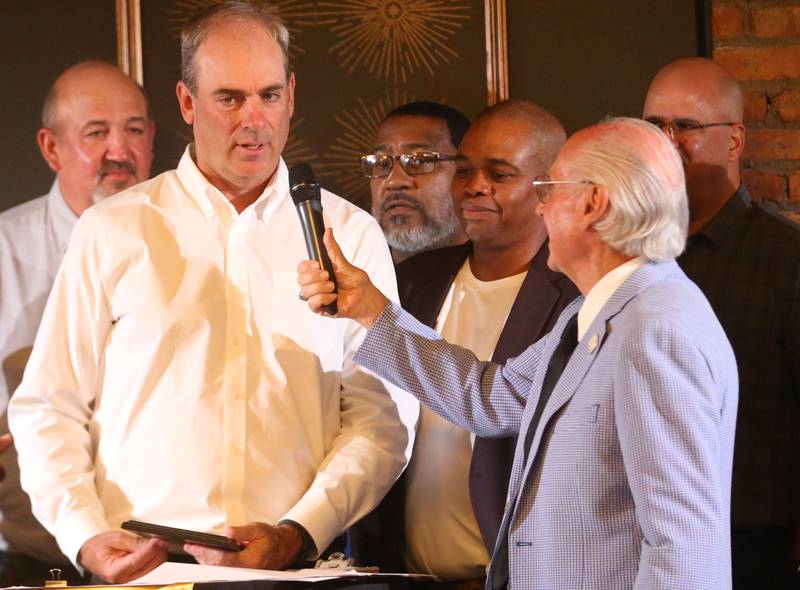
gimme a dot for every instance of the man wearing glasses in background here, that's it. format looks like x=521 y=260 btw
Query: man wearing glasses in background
x=495 y=296
x=411 y=200
x=747 y=262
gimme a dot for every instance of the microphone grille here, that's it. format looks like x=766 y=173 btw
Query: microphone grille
x=300 y=173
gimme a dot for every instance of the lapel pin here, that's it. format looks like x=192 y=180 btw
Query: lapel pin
x=594 y=341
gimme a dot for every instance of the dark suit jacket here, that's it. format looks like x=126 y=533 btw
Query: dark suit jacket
x=424 y=282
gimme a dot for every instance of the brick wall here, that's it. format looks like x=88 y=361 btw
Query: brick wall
x=759 y=42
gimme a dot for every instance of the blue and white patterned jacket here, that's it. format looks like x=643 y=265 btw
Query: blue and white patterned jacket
x=627 y=484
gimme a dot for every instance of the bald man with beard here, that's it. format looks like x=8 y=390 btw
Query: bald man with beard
x=746 y=260
x=97 y=137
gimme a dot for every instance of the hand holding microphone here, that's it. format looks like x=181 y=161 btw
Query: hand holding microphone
x=347 y=292
x=307 y=199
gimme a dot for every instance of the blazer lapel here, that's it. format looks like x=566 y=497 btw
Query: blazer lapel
x=424 y=280
x=536 y=293
x=583 y=358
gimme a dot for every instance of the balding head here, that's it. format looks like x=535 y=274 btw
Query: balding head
x=83 y=79
x=545 y=132
x=702 y=80
x=96 y=133
x=700 y=105
x=507 y=146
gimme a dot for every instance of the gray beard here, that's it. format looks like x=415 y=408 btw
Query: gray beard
x=431 y=235
x=98 y=194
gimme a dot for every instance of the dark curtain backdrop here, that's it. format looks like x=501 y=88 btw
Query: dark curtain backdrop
x=587 y=59
x=39 y=39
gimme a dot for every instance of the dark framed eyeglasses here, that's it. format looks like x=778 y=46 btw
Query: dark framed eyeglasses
x=680 y=127
x=544 y=186
x=380 y=165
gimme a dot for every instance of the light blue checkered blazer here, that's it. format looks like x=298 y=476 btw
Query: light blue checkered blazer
x=627 y=484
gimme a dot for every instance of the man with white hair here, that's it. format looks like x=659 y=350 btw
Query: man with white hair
x=625 y=411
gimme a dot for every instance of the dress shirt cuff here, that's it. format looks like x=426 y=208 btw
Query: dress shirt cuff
x=316 y=515
x=377 y=336
x=78 y=527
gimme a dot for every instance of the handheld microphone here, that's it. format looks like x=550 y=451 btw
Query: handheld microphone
x=307 y=199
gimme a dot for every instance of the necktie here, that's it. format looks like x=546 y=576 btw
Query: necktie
x=561 y=355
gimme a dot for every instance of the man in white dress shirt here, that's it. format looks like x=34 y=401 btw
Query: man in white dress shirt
x=178 y=378
x=97 y=137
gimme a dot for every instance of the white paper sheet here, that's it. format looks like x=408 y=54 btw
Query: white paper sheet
x=175 y=573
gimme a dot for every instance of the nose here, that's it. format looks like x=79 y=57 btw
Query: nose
x=539 y=208
x=253 y=114
x=398 y=178
x=117 y=148
x=477 y=184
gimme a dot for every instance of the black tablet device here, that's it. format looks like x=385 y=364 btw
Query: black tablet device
x=177 y=537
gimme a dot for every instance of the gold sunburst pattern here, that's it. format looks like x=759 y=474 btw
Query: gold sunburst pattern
x=358 y=129
x=297 y=149
x=392 y=39
x=296 y=14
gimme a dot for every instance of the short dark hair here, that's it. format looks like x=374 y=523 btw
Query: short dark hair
x=231 y=11
x=456 y=121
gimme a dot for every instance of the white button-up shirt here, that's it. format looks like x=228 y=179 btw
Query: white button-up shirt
x=178 y=379
x=33 y=238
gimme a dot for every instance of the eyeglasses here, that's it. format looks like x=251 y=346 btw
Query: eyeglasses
x=544 y=186
x=380 y=165
x=680 y=127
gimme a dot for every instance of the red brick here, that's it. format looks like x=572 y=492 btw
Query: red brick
x=787 y=105
x=772 y=144
x=794 y=187
x=777 y=21
x=755 y=105
x=765 y=185
x=760 y=63
x=726 y=22
x=792 y=216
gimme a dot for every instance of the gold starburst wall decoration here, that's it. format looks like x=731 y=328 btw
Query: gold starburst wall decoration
x=297 y=149
x=392 y=39
x=358 y=129
x=296 y=14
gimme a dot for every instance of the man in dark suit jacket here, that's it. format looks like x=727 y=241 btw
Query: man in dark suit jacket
x=496 y=296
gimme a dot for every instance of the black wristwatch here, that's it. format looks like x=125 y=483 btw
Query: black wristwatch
x=308 y=551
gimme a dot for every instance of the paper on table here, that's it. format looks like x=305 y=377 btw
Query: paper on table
x=173 y=573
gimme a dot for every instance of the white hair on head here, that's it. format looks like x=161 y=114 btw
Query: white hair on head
x=648 y=208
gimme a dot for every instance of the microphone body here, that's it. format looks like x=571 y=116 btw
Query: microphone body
x=305 y=193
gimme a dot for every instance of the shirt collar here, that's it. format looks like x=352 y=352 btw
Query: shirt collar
x=603 y=290
x=62 y=218
x=730 y=220
x=208 y=197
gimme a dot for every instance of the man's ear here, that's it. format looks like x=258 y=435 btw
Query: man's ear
x=185 y=102
x=736 y=144
x=595 y=205
x=151 y=132
x=291 y=94
x=48 y=145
